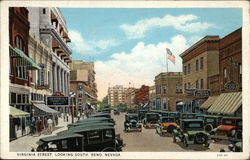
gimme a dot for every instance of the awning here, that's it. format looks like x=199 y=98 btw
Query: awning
x=45 y=108
x=227 y=103
x=14 y=112
x=89 y=95
x=208 y=102
x=22 y=59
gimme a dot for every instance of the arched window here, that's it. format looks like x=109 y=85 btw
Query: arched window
x=19 y=43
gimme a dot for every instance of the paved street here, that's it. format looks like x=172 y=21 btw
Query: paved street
x=148 y=140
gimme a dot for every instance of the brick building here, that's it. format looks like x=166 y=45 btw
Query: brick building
x=168 y=89
x=142 y=95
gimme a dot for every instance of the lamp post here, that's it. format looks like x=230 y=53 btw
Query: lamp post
x=72 y=95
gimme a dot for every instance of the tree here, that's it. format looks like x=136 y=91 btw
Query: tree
x=104 y=102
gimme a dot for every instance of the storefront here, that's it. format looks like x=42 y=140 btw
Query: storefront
x=229 y=104
x=19 y=123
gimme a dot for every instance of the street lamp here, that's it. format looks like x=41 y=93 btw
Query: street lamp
x=72 y=94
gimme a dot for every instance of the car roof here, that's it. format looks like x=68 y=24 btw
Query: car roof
x=88 y=123
x=93 y=124
x=59 y=137
x=93 y=119
x=84 y=129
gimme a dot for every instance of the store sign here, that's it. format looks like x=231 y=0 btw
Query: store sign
x=57 y=100
x=231 y=86
x=198 y=93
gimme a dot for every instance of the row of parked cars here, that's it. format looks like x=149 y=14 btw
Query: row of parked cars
x=188 y=128
x=95 y=133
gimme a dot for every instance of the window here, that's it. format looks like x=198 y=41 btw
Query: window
x=19 y=43
x=189 y=85
x=107 y=134
x=22 y=72
x=201 y=63
x=164 y=90
x=19 y=98
x=196 y=65
x=225 y=75
x=48 y=78
x=23 y=98
x=41 y=75
x=95 y=136
x=185 y=86
x=201 y=84
x=196 y=84
x=189 y=68
x=13 y=97
x=185 y=70
x=240 y=73
x=44 y=10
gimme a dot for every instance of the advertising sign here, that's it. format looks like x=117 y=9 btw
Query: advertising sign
x=58 y=101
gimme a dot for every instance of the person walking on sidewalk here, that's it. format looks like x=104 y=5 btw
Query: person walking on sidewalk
x=39 y=125
x=50 y=125
x=33 y=126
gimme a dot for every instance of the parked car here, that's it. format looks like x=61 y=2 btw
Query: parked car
x=141 y=114
x=62 y=143
x=97 y=138
x=190 y=131
x=234 y=147
x=151 y=120
x=132 y=122
x=210 y=121
x=131 y=110
x=175 y=115
x=166 y=125
x=231 y=127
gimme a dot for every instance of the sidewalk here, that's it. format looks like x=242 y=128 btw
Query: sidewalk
x=24 y=144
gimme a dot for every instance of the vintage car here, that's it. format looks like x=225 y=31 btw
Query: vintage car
x=131 y=110
x=190 y=131
x=62 y=143
x=97 y=138
x=210 y=121
x=166 y=125
x=116 y=112
x=90 y=123
x=231 y=127
x=132 y=122
x=141 y=114
x=151 y=120
x=175 y=115
x=234 y=147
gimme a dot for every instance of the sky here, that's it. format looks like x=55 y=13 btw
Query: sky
x=128 y=45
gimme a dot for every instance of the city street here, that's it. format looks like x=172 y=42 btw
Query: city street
x=149 y=141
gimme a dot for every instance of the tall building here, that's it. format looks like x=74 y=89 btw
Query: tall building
x=116 y=95
x=82 y=83
x=49 y=26
x=168 y=89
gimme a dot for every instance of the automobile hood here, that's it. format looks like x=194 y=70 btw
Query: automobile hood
x=225 y=127
x=195 y=132
x=168 y=124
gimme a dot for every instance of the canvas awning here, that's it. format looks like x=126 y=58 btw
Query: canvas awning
x=208 y=102
x=22 y=59
x=227 y=103
x=15 y=113
x=45 y=108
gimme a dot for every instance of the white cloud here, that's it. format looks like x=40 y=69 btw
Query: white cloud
x=139 y=66
x=85 y=47
x=181 y=23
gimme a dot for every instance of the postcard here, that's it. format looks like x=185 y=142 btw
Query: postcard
x=125 y=80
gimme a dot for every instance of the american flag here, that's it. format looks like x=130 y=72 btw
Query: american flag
x=170 y=56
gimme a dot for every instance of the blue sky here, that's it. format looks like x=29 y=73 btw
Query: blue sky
x=128 y=45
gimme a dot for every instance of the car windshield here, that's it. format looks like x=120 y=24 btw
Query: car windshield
x=209 y=120
x=228 y=122
x=165 y=120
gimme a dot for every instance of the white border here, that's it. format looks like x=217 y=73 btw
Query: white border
x=4 y=75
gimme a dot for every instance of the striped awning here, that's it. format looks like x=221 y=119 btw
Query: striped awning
x=227 y=103
x=209 y=102
x=15 y=113
x=22 y=59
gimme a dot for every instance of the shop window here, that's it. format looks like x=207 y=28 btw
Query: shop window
x=196 y=65
x=201 y=84
x=201 y=63
x=225 y=75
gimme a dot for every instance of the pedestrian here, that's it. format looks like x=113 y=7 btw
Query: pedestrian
x=50 y=125
x=39 y=125
x=33 y=126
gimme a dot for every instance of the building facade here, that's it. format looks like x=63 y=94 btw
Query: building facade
x=116 y=95
x=49 y=26
x=152 y=96
x=168 y=89
x=129 y=98
x=142 y=95
x=82 y=83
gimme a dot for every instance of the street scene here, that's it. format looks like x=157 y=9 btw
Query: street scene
x=125 y=80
